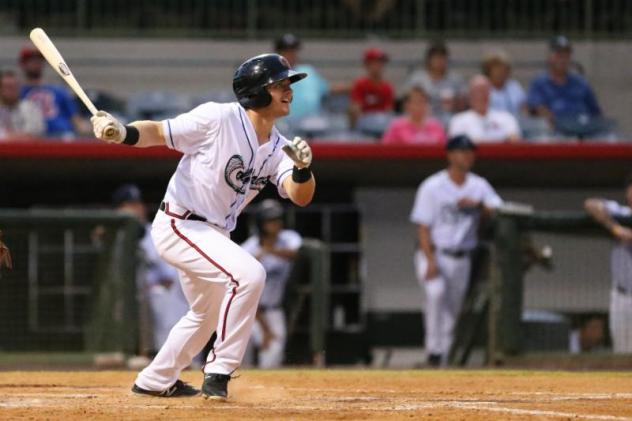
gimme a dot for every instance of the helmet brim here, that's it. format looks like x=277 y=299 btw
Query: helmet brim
x=290 y=74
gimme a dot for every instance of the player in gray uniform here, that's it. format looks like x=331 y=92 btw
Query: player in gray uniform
x=604 y=212
x=447 y=212
x=275 y=248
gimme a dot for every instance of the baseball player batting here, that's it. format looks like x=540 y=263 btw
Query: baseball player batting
x=231 y=151
x=447 y=211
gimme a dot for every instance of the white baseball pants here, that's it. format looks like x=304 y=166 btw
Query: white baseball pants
x=167 y=307
x=621 y=322
x=444 y=296
x=272 y=356
x=221 y=282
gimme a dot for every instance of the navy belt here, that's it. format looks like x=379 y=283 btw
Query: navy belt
x=622 y=290
x=456 y=253
x=187 y=215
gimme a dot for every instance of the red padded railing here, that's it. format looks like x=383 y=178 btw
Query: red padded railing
x=327 y=151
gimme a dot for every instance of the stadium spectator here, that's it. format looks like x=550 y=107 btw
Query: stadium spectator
x=445 y=88
x=162 y=302
x=19 y=119
x=507 y=94
x=276 y=248
x=371 y=93
x=481 y=123
x=309 y=94
x=417 y=126
x=605 y=212
x=565 y=98
x=56 y=104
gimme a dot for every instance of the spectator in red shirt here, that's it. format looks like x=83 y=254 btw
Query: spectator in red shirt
x=416 y=127
x=371 y=93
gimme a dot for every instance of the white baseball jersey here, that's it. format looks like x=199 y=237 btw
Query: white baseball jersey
x=277 y=268
x=495 y=126
x=436 y=207
x=621 y=297
x=223 y=166
x=621 y=256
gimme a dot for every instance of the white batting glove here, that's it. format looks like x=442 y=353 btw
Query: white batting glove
x=299 y=151
x=107 y=128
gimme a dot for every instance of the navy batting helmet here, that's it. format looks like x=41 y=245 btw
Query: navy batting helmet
x=268 y=210
x=255 y=74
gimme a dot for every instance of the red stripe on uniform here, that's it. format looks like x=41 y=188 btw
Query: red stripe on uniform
x=217 y=265
x=175 y=215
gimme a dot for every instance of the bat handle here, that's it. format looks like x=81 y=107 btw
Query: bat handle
x=109 y=132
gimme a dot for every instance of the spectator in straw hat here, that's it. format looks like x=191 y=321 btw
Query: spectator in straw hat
x=506 y=93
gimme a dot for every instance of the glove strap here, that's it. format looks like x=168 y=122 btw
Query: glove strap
x=131 y=136
x=301 y=175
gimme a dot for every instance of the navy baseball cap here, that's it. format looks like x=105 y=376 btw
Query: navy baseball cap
x=560 y=43
x=126 y=193
x=287 y=42
x=460 y=142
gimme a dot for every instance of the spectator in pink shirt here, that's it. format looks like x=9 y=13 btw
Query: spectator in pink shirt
x=416 y=127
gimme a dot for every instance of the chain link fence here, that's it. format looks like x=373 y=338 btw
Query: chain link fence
x=73 y=284
x=320 y=18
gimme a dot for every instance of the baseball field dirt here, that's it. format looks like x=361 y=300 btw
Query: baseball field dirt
x=327 y=395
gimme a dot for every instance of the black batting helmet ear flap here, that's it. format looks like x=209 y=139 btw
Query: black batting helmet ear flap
x=258 y=99
x=255 y=74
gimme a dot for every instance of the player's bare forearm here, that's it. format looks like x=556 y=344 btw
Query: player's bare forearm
x=425 y=243
x=596 y=209
x=265 y=327
x=150 y=133
x=285 y=253
x=300 y=194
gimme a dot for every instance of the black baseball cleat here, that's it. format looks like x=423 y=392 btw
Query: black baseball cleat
x=179 y=390
x=215 y=386
x=434 y=360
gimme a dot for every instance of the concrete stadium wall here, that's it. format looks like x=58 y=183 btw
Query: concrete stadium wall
x=127 y=66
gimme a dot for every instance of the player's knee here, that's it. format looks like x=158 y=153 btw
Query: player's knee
x=259 y=277
x=435 y=289
x=254 y=275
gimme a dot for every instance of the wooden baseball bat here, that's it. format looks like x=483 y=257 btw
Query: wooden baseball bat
x=55 y=59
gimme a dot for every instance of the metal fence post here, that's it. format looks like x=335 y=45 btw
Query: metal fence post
x=420 y=19
x=509 y=296
x=251 y=22
x=588 y=18
x=319 y=273
x=82 y=10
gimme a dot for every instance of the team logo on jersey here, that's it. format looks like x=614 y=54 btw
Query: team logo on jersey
x=236 y=174
x=285 y=62
x=258 y=183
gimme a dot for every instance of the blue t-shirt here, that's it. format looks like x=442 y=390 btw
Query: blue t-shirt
x=573 y=98
x=308 y=93
x=510 y=98
x=57 y=106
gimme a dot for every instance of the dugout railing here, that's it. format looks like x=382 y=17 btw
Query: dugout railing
x=73 y=284
x=537 y=284
x=74 y=287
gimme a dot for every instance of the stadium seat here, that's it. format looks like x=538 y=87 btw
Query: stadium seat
x=374 y=124
x=221 y=96
x=154 y=105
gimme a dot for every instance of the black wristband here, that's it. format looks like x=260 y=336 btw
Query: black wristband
x=131 y=136
x=301 y=175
